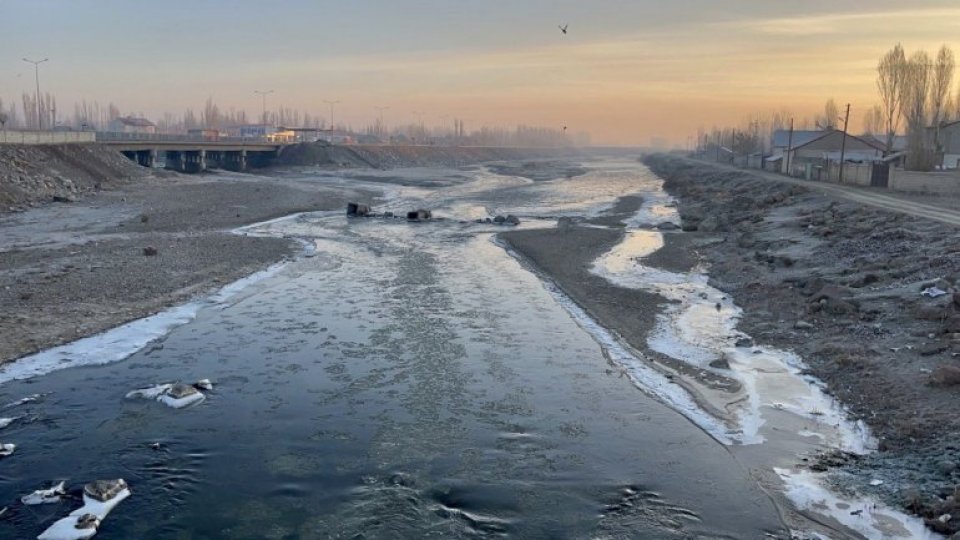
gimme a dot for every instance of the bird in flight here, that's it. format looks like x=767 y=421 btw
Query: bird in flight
x=563 y=28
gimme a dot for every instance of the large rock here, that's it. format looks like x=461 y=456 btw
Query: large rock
x=945 y=375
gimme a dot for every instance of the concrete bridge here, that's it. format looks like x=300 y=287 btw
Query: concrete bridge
x=192 y=154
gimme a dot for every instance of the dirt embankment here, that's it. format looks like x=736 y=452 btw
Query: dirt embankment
x=32 y=174
x=842 y=284
x=387 y=157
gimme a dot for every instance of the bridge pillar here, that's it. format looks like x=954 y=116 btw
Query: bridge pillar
x=235 y=161
x=194 y=161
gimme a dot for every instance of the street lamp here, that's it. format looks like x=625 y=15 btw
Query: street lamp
x=36 y=72
x=331 y=104
x=263 y=96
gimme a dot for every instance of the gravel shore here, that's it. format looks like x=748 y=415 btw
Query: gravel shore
x=70 y=270
x=840 y=283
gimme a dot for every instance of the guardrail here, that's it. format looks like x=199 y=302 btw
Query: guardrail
x=46 y=137
x=117 y=136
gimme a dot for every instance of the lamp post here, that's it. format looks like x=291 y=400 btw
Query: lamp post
x=331 y=104
x=36 y=72
x=263 y=96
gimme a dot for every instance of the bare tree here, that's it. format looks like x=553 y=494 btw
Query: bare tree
x=873 y=121
x=831 y=113
x=916 y=101
x=941 y=80
x=891 y=72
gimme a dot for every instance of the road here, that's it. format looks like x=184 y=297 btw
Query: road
x=893 y=201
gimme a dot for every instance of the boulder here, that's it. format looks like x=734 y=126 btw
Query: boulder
x=512 y=219
x=150 y=251
x=357 y=210
x=104 y=490
x=499 y=219
x=944 y=375
x=419 y=215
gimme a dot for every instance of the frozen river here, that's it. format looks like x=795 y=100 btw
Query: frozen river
x=406 y=380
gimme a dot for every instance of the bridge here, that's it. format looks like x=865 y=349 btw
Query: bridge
x=191 y=153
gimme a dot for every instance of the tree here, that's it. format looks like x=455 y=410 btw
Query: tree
x=941 y=80
x=916 y=99
x=873 y=121
x=891 y=72
x=831 y=114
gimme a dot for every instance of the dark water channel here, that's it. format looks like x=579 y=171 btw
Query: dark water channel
x=408 y=381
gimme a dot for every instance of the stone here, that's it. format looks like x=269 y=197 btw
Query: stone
x=150 y=251
x=419 y=215
x=803 y=325
x=64 y=198
x=499 y=219
x=357 y=210
x=180 y=391
x=668 y=226
x=512 y=219
x=931 y=349
x=144 y=218
x=944 y=375
x=87 y=521
x=744 y=342
x=104 y=490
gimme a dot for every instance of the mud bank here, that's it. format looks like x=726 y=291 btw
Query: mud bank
x=840 y=284
x=388 y=157
x=35 y=174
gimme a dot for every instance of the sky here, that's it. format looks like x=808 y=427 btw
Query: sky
x=627 y=71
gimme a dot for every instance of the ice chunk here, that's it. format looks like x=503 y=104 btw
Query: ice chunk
x=176 y=395
x=83 y=522
x=4 y=422
x=45 y=496
x=7 y=449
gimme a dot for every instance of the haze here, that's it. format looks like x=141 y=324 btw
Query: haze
x=627 y=71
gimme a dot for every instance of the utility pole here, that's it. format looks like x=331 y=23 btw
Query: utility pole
x=789 y=147
x=36 y=72
x=331 y=104
x=843 y=145
x=263 y=96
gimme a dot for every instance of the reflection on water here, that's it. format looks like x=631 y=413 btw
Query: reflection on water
x=406 y=381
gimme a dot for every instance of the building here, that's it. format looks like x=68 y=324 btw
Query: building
x=950 y=145
x=129 y=124
x=204 y=133
x=812 y=151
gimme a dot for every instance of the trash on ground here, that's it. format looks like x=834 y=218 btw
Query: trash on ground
x=6 y=449
x=99 y=498
x=357 y=210
x=176 y=395
x=933 y=292
x=419 y=215
x=45 y=496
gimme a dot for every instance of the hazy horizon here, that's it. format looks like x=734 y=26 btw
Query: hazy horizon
x=626 y=72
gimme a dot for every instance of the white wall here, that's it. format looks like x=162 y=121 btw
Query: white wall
x=47 y=137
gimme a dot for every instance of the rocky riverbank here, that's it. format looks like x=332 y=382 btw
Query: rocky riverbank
x=42 y=173
x=865 y=296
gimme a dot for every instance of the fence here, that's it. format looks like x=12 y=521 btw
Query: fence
x=46 y=137
x=941 y=183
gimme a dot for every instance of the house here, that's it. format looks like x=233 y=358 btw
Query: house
x=950 y=145
x=129 y=124
x=811 y=153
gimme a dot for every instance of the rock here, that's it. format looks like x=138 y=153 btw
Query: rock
x=709 y=224
x=944 y=375
x=931 y=349
x=180 y=391
x=150 y=251
x=720 y=363
x=946 y=467
x=687 y=227
x=88 y=521
x=388 y=214
x=499 y=219
x=668 y=226
x=803 y=325
x=104 y=490
x=64 y=198
x=930 y=312
x=512 y=219
x=144 y=218
x=744 y=342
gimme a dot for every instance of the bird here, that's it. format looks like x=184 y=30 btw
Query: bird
x=563 y=28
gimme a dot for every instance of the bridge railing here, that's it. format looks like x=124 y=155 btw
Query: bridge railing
x=118 y=136
x=46 y=137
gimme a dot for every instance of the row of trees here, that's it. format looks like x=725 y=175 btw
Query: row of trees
x=915 y=91
x=915 y=99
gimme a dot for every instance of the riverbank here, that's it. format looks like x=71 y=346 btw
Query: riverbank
x=841 y=284
x=73 y=269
